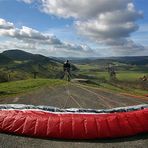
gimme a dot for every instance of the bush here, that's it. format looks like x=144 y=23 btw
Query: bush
x=4 y=76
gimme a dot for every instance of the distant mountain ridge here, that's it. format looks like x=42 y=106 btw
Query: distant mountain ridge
x=133 y=60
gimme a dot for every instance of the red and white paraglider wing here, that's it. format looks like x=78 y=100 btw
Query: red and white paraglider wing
x=49 y=122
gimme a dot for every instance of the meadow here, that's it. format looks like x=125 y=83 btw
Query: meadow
x=24 y=86
x=127 y=81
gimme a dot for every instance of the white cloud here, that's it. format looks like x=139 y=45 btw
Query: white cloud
x=31 y=39
x=111 y=25
x=64 y=50
x=82 y=9
x=6 y=25
x=107 y=22
x=29 y=35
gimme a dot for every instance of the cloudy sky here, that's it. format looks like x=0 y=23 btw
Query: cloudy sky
x=75 y=28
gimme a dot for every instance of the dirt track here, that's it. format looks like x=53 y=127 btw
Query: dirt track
x=73 y=95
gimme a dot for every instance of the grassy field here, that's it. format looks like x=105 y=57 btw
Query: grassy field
x=121 y=89
x=121 y=75
x=130 y=75
x=125 y=75
x=128 y=80
x=18 y=87
x=99 y=78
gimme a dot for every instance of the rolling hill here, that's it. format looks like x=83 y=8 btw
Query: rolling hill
x=22 y=65
x=4 y=59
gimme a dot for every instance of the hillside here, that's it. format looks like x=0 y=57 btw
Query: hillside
x=19 y=55
x=21 y=65
x=4 y=59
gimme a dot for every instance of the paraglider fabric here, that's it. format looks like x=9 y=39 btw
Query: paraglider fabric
x=73 y=123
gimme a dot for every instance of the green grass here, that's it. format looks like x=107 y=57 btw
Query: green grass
x=18 y=87
x=130 y=75
x=125 y=76
x=125 y=90
x=115 y=89
x=86 y=66
x=121 y=75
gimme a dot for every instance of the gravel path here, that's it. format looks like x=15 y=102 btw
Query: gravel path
x=73 y=95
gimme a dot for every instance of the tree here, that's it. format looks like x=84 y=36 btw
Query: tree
x=35 y=74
